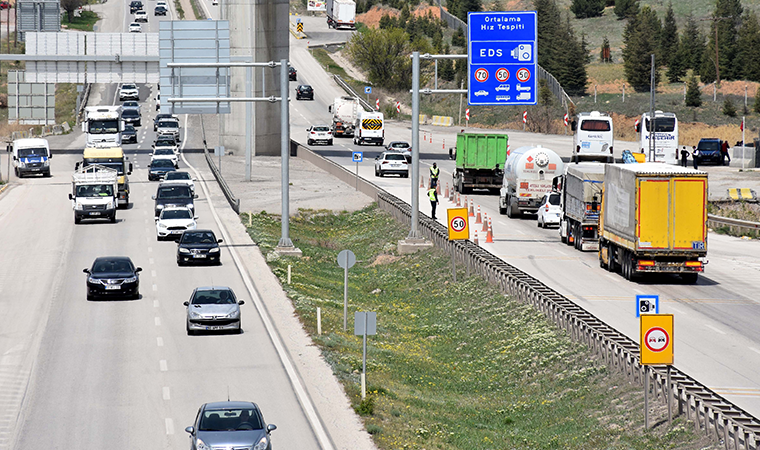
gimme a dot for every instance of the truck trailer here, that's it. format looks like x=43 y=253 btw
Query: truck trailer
x=341 y=14
x=580 y=200
x=653 y=220
x=345 y=111
x=480 y=161
x=528 y=177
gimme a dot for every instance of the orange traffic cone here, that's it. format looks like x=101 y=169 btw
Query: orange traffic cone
x=431 y=137
x=459 y=200
x=478 y=219
x=472 y=207
x=489 y=234
x=475 y=239
x=422 y=181
x=447 y=189
x=451 y=195
x=485 y=222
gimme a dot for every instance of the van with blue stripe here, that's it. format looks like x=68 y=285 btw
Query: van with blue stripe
x=31 y=156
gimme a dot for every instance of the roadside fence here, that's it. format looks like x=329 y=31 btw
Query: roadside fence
x=233 y=201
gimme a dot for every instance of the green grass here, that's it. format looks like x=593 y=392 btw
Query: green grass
x=65 y=103
x=84 y=22
x=197 y=10
x=180 y=11
x=323 y=58
x=453 y=366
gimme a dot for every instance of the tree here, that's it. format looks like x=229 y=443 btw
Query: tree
x=729 y=109
x=446 y=66
x=756 y=104
x=693 y=44
x=384 y=55
x=641 y=40
x=677 y=66
x=693 y=96
x=727 y=19
x=460 y=8
x=748 y=56
x=669 y=36
x=70 y=6
x=386 y=22
x=457 y=40
x=571 y=72
x=584 y=9
x=584 y=49
x=549 y=26
x=626 y=9
x=605 y=55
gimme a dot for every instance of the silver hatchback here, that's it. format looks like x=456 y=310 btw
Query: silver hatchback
x=230 y=425
x=213 y=309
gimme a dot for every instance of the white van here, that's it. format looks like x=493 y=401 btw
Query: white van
x=31 y=156
x=369 y=128
x=593 y=137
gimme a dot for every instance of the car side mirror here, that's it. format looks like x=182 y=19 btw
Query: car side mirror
x=50 y=155
x=573 y=125
x=87 y=271
x=195 y=218
x=153 y=197
x=76 y=166
x=195 y=195
x=190 y=430
x=150 y=164
x=241 y=302
x=187 y=304
x=129 y=172
x=194 y=179
x=271 y=427
x=219 y=241
x=138 y=270
x=155 y=219
x=71 y=197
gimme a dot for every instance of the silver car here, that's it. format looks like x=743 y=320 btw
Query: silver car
x=230 y=425
x=213 y=309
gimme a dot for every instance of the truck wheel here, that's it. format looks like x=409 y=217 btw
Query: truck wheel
x=508 y=201
x=690 y=278
x=611 y=258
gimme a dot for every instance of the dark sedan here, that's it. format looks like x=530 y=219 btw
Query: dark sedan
x=129 y=135
x=159 y=168
x=292 y=74
x=113 y=276
x=159 y=11
x=131 y=116
x=230 y=425
x=198 y=246
x=304 y=91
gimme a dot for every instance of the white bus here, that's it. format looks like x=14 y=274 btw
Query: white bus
x=665 y=137
x=593 y=137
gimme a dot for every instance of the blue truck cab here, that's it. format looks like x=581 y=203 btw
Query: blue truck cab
x=31 y=156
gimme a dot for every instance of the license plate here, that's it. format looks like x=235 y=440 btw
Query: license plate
x=200 y=255
x=215 y=328
x=113 y=287
x=95 y=213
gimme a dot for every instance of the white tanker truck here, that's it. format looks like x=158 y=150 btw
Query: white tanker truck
x=528 y=175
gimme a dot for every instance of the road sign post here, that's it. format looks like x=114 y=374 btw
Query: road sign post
x=459 y=229
x=365 y=324
x=656 y=349
x=357 y=157
x=346 y=260
x=502 y=48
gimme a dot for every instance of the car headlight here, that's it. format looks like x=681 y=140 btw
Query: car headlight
x=159 y=206
x=262 y=444
x=22 y=164
x=190 y=206
x=233 y=314
x=109 y=205
x=161 y=225
x=93 y=280
x=183 y=250
x=193 y=314
x=192 y=226
x=131 y=279
x=46 y=163
x=78 y=206
x=214 y=250
x=200 y=445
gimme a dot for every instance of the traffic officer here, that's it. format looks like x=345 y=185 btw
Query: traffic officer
x=434 y=172
x=433 y=196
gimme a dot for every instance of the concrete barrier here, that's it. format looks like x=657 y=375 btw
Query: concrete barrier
x=423 y=119
x=442 y=121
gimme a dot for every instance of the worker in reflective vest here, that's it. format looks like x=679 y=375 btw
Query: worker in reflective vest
x=434 y=172
x=433 y=196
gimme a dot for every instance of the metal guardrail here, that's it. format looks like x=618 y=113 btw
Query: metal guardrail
x=710 y=412
x=233 y=201
x=732 y=224
x=365 y=104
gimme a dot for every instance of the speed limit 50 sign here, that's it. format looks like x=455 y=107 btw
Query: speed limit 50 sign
x=656 y=346
x=458 y=225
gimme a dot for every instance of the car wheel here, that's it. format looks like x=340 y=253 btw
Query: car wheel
x=189 y=331
x=309 y=142
x=113 y=218
x=330 y=142
x=77 y=220
x=90 y=297
x=136 y=296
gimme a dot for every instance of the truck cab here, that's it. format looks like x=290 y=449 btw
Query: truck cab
x=93 y=193
x=114 y=159
x=369 y=128
x=30 y=157
x=103 y=125
x=593 y=137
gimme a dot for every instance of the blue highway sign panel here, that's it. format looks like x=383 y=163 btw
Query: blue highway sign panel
x=357 y=157
x=503 y=58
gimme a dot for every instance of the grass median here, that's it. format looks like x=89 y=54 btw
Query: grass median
x=453 y=365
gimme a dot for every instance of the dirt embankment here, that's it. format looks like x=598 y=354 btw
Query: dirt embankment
x=372 y=17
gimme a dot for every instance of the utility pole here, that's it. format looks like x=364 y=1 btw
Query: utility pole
x=717 y=64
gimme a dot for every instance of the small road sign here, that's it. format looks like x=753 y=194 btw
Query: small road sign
x=458 y=225
x=564 y=119
x=367 y=89
x=299 y=26
x=346 y=259
x=357 y=157
x=647 y=304
x=467 y=114
x=377 y=104
x=361 y=327
x=656 y=346
x=398 y=107
x=525 y=116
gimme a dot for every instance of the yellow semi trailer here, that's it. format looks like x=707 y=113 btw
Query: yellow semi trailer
x=653 y=220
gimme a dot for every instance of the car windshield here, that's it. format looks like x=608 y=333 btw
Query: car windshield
x=178 y=176
x=128 y=86
x=321 y=129
x=173 y=191
x=27 y=152
x=203 y=237
x=214 y=297
x=162 y=163
x=130 y=105
x=107 y=126
x=709 y=146
x=230 y=420
x=95 y=190
x=596 y=125
x=176 y=214
x=163 y=151
x=395 y=157
x=112 y=265
x=168 y=124
x=111 y=163
x=399 y=145
x=130 y=113
x=554 y=199
x=130 y=128
x=305 y=88
x=164 y=143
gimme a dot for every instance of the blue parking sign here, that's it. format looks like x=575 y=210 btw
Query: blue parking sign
x=502 y=58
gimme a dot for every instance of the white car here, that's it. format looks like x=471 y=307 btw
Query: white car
x=162 y=3
x=173 y=221
x=549 y=211
x=319 y=133
x=165 y=153
x=180 y=177
x=481 y=93
x=166 y=143
x=129 y=91
x=391 y=162
x=135 y=27
x=141 y=16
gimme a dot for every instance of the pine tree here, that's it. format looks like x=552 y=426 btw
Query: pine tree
x=693 y=96
x=549 y=26
x=669 y=36
x=756 y=104
x=605 y=55
x=641 y=39
x=729 y=109
x=571 y=72
x=693 y=43
x=707 y=67
x=749 y=48
x=446 y=66
x=386 y=22
x=625 y=9
x=584 y=49
x=678 y=64
x=584 y=9
x=457 y=40
x=730 y=14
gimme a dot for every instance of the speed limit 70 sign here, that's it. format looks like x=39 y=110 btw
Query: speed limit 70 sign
x=458 y=225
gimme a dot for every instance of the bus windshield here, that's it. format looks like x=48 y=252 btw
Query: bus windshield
x=663 y=124
x=108 y=126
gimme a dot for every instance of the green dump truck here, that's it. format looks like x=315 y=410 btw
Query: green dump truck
x=480 y=161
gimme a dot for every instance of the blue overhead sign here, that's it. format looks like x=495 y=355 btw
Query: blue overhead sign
x=503 y=58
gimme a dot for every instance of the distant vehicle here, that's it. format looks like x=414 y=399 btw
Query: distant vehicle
x=215 y=309
x=345 y=110
x=341 y=14
x=160 y=117
x=180 y=177
x=581 y=201
x=93 y=193
x=480 y=160
x=131 y=104
x=391 y=163
x=158 y=106
x=131 y=116
x=665 y=137
x=174 y=221
x=230 y=425
x=102 y=125
x=135 y=27
x=214 y=2
x=292 y=73
x=159 y=169
x=528 y=175
x=113 y=276
x=304 y=91
x=549 y=210
x=198 y=246
x=141 y=16
x=709 y=151
x=160 y=10
x=593 y=137
x=168 y=127
x=164 y=153
x=134 y=6
x=166 y=142
x=31 y=156
x=129 y=91
x=319 y=133
x=4 y=4
x=369 y=128
x=129 y=135
x=402 y=147
x=173 y=195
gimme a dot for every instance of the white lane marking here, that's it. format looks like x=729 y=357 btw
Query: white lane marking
x=678 y=311
x=282 y=353
x=751 y=348
x=157 y=320
x=167 y=395
x=639 y=291
x=521 y=231
x=612 y=277
x=150 y=261
x=162 y=365
x=169 y=426
x=563 y=253
x=153 y=272
x=715 y=329
x=160 y=340
x=155 y=304
x=155 y=288
x=150 y=249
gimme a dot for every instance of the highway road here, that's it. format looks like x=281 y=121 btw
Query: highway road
x=716 y=337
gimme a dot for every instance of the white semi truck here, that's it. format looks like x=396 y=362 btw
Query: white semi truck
x=528 y=175
x=345 y=110
x=103 y=126
x=93 y=193
x=341 y=14
x=369 y=128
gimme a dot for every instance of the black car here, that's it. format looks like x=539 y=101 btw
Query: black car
x=173 y=195
x=292 y=73
x=158 y=118
x=129 y=135
x=113 y=276
x=132 y=116
x=198 y=246
x=159 y=168
x=709 y=151
x=159 y=11
x=304 y=91
x=136 y=5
